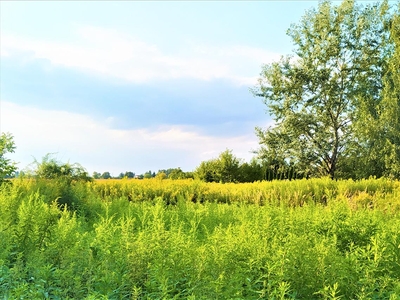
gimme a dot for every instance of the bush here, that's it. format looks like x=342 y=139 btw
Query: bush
x=59 y=181
x=7 y=167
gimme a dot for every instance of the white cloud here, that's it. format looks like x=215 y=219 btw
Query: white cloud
x=92 y=143
x=111 y=53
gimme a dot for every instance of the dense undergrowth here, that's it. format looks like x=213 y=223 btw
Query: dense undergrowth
x=161 y=239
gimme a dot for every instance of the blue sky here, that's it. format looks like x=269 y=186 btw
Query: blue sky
x=137 y=86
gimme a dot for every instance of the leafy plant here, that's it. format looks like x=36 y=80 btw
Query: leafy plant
x=7 y=167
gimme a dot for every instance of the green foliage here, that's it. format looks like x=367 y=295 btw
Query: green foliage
x=56 y=181
x=207 y=171
x=223 y=169
x=250 y=172
x=386 y=153
x=228 y=168
x=50 y=168
x=129 y=174
x=176 y=173
x=149 y=175
x=346 y=248
x=106 y=175
x=322 y=98
x=7 y=167
x=96 y=175
x=161 y=176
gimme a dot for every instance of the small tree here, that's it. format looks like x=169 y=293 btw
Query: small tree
x=177 y=174
x=106 y=175
x=161 y=176
x=58 y=180
x=96 y=175
x=208 y=171
x=149 y=175
x=50 y=168
x=7 y=167
x=129 y=174
x=223 y=169
x=228 y=166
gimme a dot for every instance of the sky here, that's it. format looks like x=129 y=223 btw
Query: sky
x=137 y=86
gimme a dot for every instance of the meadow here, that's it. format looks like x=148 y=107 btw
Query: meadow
x=186 y=239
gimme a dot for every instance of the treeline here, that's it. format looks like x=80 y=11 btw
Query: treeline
x=228 y=168
x=224 y=169
x=172 y=173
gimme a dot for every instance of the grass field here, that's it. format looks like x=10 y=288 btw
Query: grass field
x=164 y=239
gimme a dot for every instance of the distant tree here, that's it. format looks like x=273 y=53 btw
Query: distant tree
x=164 y=171
x=176 y=174
x=7 y=167
x=148 y=175
x=161 y=176
x=208 y=171
x=106 y=175
x=129 y=175
x=61 y=175
x=96 y=175
x=189 y=175
x=50 y=168
x=228 y=166
x=250 y=172
x=223 y=169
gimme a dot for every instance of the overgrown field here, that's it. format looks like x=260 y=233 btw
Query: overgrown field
x=162 y=239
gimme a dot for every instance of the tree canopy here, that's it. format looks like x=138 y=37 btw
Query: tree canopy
x=337 y=81
x=228 y=168
x=386 y=152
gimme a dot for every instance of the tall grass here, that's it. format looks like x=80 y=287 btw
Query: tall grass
x=160 y=239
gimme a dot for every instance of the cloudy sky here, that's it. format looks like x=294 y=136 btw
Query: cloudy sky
x=137 y=86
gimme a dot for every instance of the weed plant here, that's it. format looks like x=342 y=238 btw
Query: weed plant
x=161 y=239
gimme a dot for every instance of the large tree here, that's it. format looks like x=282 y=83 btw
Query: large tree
x=392 y=100
x=317 y=95
x=382 y=151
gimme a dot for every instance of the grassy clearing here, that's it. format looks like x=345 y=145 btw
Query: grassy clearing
x=153 y=239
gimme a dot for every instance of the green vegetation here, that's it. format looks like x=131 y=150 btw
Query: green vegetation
x=186 y=239
x=229 y=168
x=7 y=167
x=168 y=236
x=344 y=74
x=50 y=168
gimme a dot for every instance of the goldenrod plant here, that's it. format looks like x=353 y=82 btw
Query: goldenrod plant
x=187 y=239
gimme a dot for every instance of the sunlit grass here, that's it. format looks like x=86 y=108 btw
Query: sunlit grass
x=164 y=239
